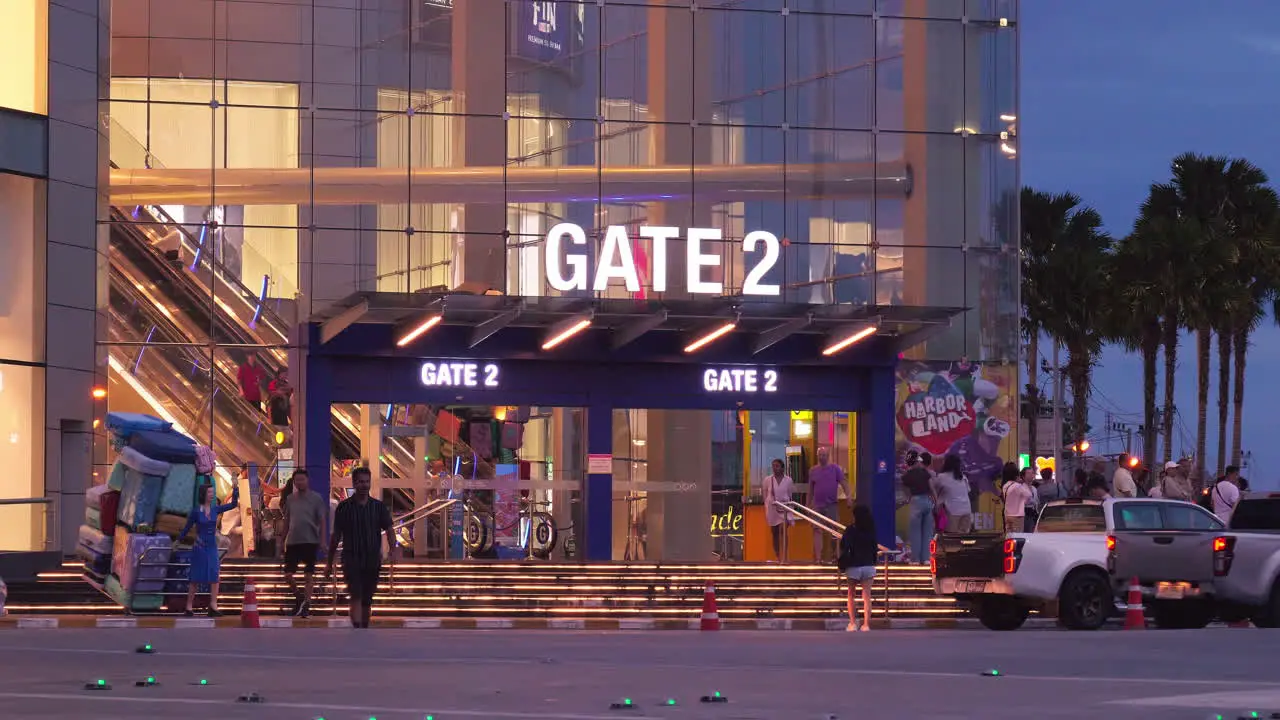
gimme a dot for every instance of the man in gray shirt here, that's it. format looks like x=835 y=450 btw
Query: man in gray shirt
x=304 y=520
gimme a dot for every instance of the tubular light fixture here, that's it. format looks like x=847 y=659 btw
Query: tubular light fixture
x=416 y=330
x=711 y=335
x=566 y=329
x=840 y=342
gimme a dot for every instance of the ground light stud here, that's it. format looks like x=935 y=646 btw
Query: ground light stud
x=715 y=697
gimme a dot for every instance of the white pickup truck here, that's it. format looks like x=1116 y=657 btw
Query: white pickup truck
x=1250 y=586
x=1081 y=559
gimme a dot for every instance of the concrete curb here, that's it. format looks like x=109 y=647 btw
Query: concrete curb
x=633 y=624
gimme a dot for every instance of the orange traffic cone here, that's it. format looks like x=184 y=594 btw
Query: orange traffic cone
x=710 y=616
x=249 y=613
x=1135 y=617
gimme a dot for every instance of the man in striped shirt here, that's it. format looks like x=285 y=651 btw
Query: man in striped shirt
x=359 y=524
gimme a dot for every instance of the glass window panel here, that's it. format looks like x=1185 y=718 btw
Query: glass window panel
x=624 y=63
x=24 y=55
x=949 y=9
x=921 y=74
x=992 y=290
x=22 y=269
x=935 y=169
x=992 y=10
x=735 y=79
x=991 y=82
x=832 y=7
x=152 y=298
x=553 y=67
x=22 y=404
x=830 y=63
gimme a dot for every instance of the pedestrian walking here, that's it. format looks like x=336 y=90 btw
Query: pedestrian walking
x=358 y=525
x=304 y=519
x=857 y=560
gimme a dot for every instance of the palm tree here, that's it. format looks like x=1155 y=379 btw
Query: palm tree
x=1221 y=199
x=1045 y=219
x=1259 y=235
x=1134 y=320
x=1070 y=257
x=1165 y=247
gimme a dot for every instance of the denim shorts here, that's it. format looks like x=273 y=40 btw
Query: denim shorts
x=861 y=573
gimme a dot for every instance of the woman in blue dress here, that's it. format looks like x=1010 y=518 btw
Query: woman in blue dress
x=204 y=555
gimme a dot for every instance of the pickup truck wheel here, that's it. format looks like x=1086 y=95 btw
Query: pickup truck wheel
x=1268 y=616
x=1085 y=601
x=1001 y=614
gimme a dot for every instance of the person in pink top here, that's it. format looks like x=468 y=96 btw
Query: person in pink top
x=826 y=480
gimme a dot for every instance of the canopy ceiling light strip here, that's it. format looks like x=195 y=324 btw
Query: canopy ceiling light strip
x=566 y=329
x=409 y=333
x=712 y=334
x=579 y=183
x=840 y=341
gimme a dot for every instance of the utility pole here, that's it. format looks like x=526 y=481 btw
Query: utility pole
x=1057 y=414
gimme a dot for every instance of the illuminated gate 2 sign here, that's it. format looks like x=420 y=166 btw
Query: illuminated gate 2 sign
x=569 y=272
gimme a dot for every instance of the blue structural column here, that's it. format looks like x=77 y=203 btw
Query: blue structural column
x=316 y=425
x=598 y=493
x=879 y=443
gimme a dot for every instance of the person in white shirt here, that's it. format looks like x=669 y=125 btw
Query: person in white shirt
x=776 y=488
x=1226 y=494
x=1122 y=483
x=1017 y=495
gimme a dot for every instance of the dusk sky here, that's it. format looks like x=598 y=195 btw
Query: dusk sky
x=1112 y=90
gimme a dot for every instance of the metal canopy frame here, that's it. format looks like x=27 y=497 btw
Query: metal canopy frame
x=769 y=323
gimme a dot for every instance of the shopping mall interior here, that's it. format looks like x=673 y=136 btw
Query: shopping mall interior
x=234 y=190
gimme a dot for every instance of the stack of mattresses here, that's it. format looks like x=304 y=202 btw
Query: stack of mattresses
x=139 y=564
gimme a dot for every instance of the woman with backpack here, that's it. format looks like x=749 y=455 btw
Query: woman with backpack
x=857 y=560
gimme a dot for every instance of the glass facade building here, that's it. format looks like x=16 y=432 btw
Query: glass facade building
x=266 y=159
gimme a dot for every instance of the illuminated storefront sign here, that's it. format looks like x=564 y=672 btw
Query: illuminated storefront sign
x=460 y=374
x=546 y=29
x=567 y=271
x=739 y=379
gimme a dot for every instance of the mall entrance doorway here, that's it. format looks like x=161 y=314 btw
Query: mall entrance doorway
x=475 y=482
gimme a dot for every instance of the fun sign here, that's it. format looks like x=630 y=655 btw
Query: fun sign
x=567 y=270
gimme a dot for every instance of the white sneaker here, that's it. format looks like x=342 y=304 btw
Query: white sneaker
x=851 y=627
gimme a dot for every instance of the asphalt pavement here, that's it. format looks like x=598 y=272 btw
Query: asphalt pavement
x=547 y=675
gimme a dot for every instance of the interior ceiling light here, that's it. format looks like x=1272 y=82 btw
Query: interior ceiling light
x=566 y=329
x=841 y=341
x=417 y=329
x=710 y=336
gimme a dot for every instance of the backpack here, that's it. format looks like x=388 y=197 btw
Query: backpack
x=845 y=560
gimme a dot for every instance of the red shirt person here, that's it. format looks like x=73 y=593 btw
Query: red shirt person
x=250 y=377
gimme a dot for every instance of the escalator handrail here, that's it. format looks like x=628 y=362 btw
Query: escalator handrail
x=215 y=265
x=188 y=347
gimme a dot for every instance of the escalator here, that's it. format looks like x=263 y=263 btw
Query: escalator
x=174 y=313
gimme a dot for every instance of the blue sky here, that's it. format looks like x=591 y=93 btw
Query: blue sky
x=1111 y=91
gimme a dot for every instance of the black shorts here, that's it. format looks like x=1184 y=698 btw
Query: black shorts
x=303 y=553
x=362 y=581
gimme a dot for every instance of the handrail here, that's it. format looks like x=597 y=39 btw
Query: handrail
x=419 y=513
x=25 y=501
x=811 y=516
